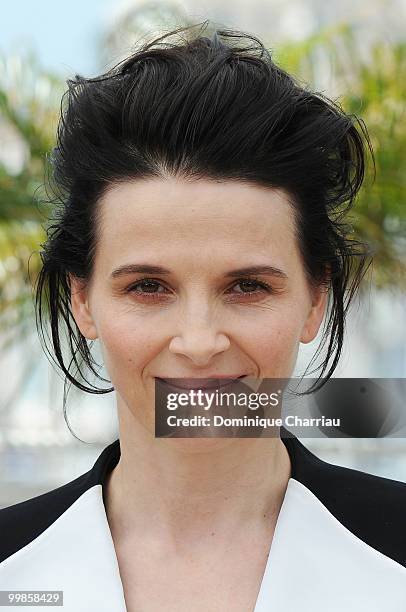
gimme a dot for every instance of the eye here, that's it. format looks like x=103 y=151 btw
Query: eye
x=250 y=284
x=151 y=289
x=149 y=286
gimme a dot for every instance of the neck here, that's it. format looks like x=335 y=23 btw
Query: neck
x=185 y=488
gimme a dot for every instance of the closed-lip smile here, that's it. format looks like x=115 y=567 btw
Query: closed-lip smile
x=209 y=382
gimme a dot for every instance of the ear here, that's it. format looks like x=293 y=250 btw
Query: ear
x=80 y=308
x=316 y=313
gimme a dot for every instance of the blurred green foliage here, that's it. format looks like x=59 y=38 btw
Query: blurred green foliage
x=371 y=82
x=29 y=104
x=372 y=87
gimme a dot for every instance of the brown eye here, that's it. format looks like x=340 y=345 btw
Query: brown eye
x=250 y=286
x=147 y=288
x=151 y=289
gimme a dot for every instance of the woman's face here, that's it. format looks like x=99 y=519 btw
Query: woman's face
x=198 y=314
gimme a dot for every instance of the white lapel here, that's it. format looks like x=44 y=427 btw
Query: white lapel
x=316 y=564
x=76 y=555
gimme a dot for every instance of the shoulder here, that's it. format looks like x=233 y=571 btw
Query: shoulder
x=372 y=507
x=23 y=522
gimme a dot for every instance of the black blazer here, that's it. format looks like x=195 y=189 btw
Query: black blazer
x=339 y=542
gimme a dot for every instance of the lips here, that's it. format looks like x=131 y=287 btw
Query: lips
x=200 y=383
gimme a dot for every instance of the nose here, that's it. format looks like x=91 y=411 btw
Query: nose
x=199 y=340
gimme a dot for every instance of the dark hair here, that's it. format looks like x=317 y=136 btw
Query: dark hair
x=213 y=107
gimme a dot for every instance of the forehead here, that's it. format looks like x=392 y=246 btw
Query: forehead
x=172 y=213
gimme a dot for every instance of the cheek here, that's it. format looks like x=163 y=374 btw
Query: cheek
x=126 y=349
x=275 y=345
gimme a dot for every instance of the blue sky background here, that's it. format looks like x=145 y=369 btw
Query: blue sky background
x=63 y=35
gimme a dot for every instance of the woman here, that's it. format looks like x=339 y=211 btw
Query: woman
x=200 y=235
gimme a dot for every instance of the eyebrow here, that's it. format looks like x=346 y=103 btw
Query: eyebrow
x=150 y=269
